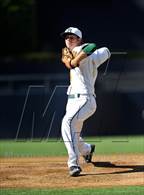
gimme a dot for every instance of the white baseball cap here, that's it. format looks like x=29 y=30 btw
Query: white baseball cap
x=72 y=30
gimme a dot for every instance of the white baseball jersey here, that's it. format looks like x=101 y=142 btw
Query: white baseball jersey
x=82 y=78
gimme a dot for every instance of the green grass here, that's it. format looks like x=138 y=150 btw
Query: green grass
x=31 y=148
x=135 y=190
x=55 y=147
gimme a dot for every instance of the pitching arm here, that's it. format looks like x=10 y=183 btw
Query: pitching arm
x=86 y=51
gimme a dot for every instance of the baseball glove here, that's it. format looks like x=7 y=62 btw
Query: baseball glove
x=67 y=56
x=67 y=53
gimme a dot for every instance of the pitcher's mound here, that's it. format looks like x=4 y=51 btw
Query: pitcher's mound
x=52 y=172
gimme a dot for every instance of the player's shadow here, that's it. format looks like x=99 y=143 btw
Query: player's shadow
x=132 y=168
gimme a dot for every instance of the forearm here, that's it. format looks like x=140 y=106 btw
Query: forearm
x=86 y=51
x=74 y=62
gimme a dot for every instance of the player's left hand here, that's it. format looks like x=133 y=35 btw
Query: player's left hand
x=67 y=56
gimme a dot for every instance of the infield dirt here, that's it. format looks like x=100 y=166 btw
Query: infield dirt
x=52 y=172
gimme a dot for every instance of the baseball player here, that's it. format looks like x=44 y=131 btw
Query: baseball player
x=83 y=60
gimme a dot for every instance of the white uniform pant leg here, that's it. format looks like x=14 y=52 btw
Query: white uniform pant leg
x=84 y=148
x=86 y=112
x=71 y=141
x=69 y=132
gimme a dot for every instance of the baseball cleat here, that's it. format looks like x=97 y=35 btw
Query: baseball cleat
x=74 y=171
x=88 y=157
x=80 y=168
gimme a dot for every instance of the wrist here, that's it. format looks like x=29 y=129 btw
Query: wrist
x=73 y=63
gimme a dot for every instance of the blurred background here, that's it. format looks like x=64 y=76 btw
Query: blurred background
x=33 y=81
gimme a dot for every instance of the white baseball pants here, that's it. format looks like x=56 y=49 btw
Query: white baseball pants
x=77 y=111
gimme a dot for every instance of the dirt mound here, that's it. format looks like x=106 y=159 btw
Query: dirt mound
x=52 y=172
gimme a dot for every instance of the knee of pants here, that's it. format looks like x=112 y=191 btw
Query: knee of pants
x=68 y=123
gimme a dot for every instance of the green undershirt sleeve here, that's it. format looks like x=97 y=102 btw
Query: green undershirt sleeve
x=90 y=48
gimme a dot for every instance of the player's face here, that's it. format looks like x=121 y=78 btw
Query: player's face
x=72 y=41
